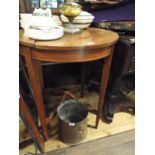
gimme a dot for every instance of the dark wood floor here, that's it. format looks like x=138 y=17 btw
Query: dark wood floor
x=120 y=144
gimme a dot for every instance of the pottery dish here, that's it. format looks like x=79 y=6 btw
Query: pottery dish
x=82 y=21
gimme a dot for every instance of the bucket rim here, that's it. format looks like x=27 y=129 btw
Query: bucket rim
x=62 y=103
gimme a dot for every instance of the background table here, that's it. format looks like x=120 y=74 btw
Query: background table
x=88 y=45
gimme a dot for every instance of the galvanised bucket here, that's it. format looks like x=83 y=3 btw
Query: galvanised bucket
x=72 y=121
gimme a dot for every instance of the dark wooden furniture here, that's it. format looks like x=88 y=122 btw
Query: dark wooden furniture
x=29 y=123
x=123 y=68
x=101 y=5
x=123 y=64
x=89 y=45
x=123 y=60
x=25 y=5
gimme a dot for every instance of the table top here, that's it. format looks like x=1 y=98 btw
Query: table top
x=86 y=39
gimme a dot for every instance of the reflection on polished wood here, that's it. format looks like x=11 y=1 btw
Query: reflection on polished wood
x=86 y=39
x=88 y=45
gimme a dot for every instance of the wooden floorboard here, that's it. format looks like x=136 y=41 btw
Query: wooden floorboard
x=119 y=144
x=122 y=122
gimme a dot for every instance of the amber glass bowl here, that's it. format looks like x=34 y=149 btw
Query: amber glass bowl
x=70 y=9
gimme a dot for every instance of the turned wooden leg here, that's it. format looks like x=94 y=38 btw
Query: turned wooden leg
x=35 y=80
x=103 y=85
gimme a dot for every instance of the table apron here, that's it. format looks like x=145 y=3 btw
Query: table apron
x=69 y=56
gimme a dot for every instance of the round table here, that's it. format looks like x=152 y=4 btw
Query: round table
x=88 y=45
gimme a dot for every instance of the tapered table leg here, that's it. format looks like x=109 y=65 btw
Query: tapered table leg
x=40 y=73
x=35 y=80
x=29 y=122
x=103 y=85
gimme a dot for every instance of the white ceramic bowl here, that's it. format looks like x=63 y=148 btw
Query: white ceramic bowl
x=82 y=21
x=44 y=21
x=40 y=23
x=54 y=33
x=25 y=16
x=79 y=25
x=25 y=24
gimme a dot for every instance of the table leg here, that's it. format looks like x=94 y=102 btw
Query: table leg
x=32 y=66
x=40 y=73
x=29 y=122
x=103 y=85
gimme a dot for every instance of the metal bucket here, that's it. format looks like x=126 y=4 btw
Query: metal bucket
x=72 y=121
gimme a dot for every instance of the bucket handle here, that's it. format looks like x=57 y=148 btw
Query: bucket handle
x=68 y=95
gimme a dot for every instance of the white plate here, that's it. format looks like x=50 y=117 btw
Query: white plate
x=52 y=34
